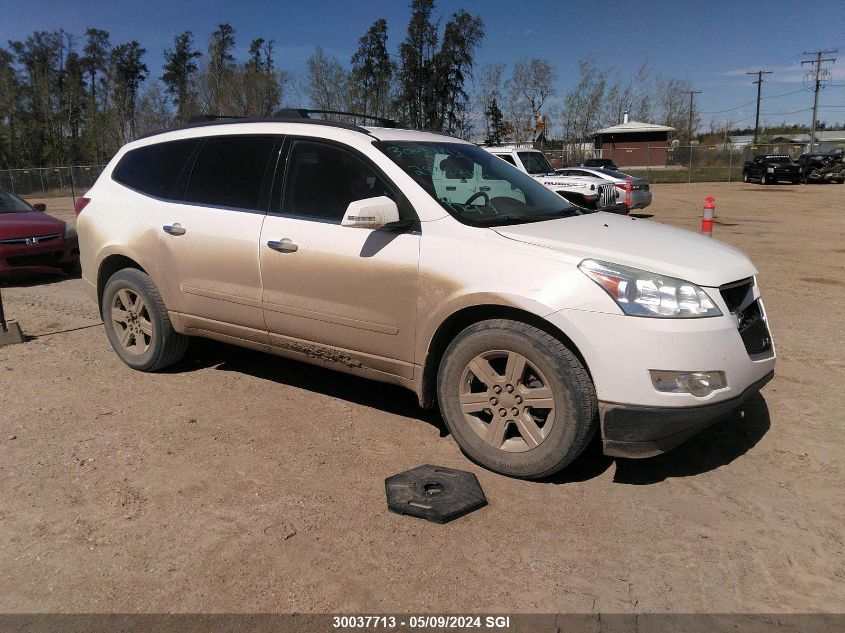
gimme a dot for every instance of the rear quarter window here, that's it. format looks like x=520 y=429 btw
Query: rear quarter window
x=229 y=171
x=154 y=169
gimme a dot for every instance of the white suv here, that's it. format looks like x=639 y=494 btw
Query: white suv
x=532 y=323
x=588 y=191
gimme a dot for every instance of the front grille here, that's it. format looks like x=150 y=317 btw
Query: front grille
x=739 y=298
x=754 y=333
x=35 y=239
x=41 y=259
x=607 y=195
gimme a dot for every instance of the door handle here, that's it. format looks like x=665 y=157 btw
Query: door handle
x=174 y=229
x=284 y=245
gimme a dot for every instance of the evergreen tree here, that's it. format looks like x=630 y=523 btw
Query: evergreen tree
x=372 y=71
x=220 y=61
x=462 y=35
x=498 y=130
x=416 y=75
x=179 y=69
x=129 y=72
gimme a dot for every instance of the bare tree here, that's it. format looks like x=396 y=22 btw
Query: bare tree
x=530 y=85
x=673 y=97
x=327 y=83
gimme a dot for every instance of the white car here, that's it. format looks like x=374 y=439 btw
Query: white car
x=640 y=188
x=586 y=191
x=532 y=323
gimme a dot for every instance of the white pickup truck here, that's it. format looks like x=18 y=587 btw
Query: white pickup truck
x=584 y=191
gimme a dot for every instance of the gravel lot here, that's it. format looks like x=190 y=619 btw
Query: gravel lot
x=242 y=482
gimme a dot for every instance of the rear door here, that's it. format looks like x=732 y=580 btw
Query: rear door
x=210 y=240
x=348 y=288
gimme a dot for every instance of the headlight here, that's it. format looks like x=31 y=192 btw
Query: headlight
x=641 y=293
x=771 y=170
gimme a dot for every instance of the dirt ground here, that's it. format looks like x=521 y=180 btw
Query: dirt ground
x=242 y=482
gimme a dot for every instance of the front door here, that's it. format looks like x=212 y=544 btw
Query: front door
x=210 y=242
x=328 y=285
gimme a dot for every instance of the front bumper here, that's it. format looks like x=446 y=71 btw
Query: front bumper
x=45 y=257
x=639 y=431
x=792 y=175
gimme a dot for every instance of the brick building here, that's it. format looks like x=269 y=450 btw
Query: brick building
x=633 y=144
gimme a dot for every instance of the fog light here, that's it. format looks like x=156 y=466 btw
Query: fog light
x=698 y=383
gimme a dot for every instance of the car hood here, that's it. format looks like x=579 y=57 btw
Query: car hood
x=639 y=244
x=14 y=225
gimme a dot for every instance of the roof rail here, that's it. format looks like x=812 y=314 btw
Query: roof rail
x=303 y=113
x=205 y=118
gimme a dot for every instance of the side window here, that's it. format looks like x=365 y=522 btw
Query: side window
x=154 y=169
x=508 y=158
x=229 y=171
x=323 y=179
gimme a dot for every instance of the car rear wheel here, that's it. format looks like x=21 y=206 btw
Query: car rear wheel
x=137 y=323
x=745 y=176
x=764 y=180
x=515 y=399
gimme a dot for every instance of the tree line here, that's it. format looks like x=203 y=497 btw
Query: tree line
x=75 y=100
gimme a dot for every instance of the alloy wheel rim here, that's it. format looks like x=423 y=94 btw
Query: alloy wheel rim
x=131 y=320
x=507 y=401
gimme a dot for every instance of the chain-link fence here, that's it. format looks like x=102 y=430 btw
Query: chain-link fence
x=668 y=163
x=50 y=182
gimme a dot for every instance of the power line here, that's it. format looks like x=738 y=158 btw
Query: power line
x=790 y=112
x=784 y=94
x=759 y=83
x=818 y=81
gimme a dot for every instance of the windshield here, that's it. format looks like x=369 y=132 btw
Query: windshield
x=536 y=163
x=612 y=173
x=475 y=186
x=778 y=159
x=10 y=203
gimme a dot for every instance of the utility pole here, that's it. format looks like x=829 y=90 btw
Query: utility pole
x=817 y=74
x=689 y=134
x=759 y=83
x=691 y=93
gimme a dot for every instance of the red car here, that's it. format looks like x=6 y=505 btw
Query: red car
x=32 y=241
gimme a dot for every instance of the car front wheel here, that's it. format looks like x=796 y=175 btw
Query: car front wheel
x=137 y=323
x=515 y=399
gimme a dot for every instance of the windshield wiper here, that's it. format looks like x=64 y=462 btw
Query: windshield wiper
x=528 y=217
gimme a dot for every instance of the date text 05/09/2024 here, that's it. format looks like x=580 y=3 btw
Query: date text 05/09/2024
x=388 y=622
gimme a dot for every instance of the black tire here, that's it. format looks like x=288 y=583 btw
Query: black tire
x=745 y=177
x=574 y=399
x=763 y=180
x=165 y=346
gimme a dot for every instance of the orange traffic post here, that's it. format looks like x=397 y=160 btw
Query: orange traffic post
x=707 y=218
x=628 y=188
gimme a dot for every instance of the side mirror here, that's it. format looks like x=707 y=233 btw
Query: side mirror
x=40 y=206
x=371 y=213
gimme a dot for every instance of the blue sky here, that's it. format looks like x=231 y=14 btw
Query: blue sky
x=711 y=43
